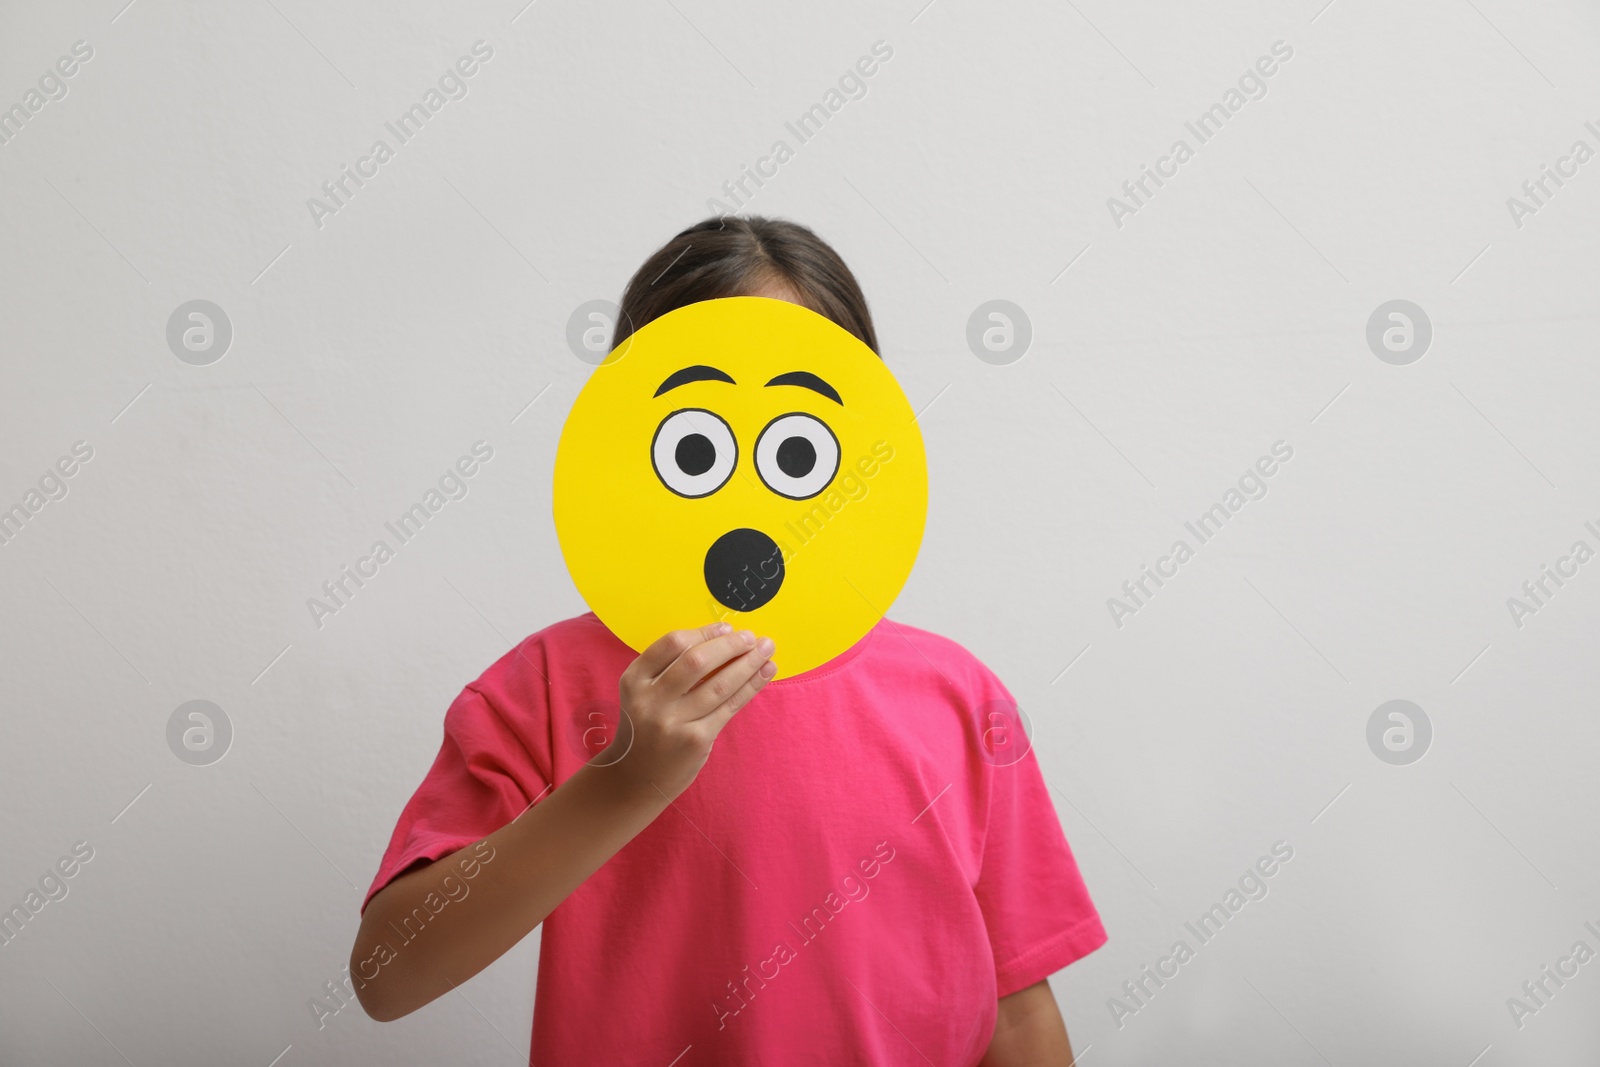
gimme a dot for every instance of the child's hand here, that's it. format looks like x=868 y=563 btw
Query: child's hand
x=680 y=693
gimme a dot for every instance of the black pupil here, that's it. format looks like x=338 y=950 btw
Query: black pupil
x=695 y=454
x=796 y=457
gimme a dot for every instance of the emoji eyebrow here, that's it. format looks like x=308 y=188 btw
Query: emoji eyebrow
x=693 y=374
x=806 y=380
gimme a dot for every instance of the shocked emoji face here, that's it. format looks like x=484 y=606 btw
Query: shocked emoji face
x=747 y=460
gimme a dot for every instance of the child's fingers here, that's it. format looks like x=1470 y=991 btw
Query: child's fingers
x=661 y=655
x=726 y=683
x=721 y=713
x=700 y=661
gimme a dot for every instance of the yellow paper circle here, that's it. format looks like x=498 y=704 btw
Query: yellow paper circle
x=705 y=473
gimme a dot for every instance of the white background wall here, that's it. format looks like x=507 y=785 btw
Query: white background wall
x=1227 y=314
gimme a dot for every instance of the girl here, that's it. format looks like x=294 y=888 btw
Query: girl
x=852 y=876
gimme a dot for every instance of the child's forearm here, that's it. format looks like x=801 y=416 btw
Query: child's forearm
x=1029 y=1032
x=538 y=860
x=678 y=695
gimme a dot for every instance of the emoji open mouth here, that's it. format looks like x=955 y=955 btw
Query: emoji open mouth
x=744 y=569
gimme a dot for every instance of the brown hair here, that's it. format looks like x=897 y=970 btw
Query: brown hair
x=733 y=255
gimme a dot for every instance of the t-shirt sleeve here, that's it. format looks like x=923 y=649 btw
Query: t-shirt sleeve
x=487 y=773
x=1033 y=899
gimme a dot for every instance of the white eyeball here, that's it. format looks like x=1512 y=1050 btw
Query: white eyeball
x=797 y=456
x=694 y=452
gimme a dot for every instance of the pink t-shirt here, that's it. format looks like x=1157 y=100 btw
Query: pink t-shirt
x=861 y=869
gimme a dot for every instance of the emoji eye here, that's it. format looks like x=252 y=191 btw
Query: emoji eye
x=693 y=452
x=797 y=456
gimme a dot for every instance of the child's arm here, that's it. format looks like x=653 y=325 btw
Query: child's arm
x=1029 y=1031
x=678 y=694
